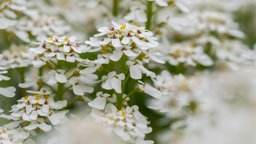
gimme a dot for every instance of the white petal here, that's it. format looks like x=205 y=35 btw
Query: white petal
x=116 y=43
x=137 y=41
x=141 y=16
x=23 y=35
x=148 y=89
x=116 y=84
x=8 y=91
x=66 y=48
x=156 y=59
x=60 y=56
x=5 y=23
x=130 y=53
x=117 y=54
x=78 y=90
x=107 y=84
x=61 y=78
x=27 y=84
x=70 y=59
x=34 y=115
x=135 y=72
x=105 y=41
x=98 y=103
x=161 y=3
x=126 y=40
x=130 y=16
x=43 y=126
x=56 y=118
x=182 y=7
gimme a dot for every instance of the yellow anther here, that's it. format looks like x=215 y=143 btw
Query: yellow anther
x=51 y=37
x=4 y=131
x=37 y=97
x=66 y=39
x=123 y=113
x=123 y=26
x=25 y=97
x=46 y=96
x=136 y=25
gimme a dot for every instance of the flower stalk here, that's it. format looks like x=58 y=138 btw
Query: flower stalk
x=115 y=8
x=149 y=14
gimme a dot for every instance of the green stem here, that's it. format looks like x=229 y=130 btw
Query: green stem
x=60 y=91
x=131 y=93
x=115 y=8
x=149 y=14
x=119 y=101
x=71 y=103
x=22 y=80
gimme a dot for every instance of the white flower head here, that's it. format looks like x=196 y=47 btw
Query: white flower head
x=58 y=48
x=127 y=123
x=11 y=133
x=37 y=108
x=126 y=39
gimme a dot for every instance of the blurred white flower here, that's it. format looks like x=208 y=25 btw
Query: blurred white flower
x=15 y=57
x=188 y=54
x=127 y=123
x=37 y=109
x=137 y=13
x=58 y=48
x=12 y=134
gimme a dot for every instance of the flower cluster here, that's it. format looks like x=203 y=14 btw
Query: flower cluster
x=139 y=72
x=127 y=123
x=39 y=110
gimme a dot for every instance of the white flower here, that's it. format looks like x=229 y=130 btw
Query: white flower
x=12 y=134
x=58 y=48
x=40 y=26
x=186 y=53
x=235 y=52
x=113 y=81
x=125 y=39
x=15 y=57
x=100 y=101
x=137 y=69
x=137 y=13
x=127 y=123
x=37 y=108
x=57 y=77
x=178 y=92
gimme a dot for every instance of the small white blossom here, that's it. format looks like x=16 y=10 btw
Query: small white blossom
x=12 y=134
x=58 y=48
x=186 y=53
x=113 y=81
x=127 y=39
x=137 y=13
x=15 y=57
x=37 y=108
x=137 y=69
x=100 y=101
